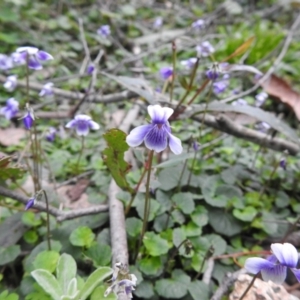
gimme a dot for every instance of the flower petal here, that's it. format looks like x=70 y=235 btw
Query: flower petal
x=175 y=144
x=156 y=139
x=82 y=128
x=71 y=124
x=28 y=49
x=137 y=135
x=28 y=121
x=34 y=64
x=43 y=56
x=156 y=113
x=296 y=273
x=93 y=125
x=286 y=254
x=255 y=264
x=276 y=274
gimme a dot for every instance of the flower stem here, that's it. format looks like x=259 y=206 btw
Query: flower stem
x=147 y=203
x=135 y=191
x=48 y=220
x=248 y=288
x=174 y=67
x=80 y=154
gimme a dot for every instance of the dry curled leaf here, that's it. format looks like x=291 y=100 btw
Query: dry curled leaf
x=11 y=136
x=75 y=192
x=279 y=88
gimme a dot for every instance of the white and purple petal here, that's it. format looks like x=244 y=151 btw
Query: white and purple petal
x=28 y=120
x=34 y=64
x=255 y=264
x=137 y=135
x=296 y=273
x=30 y=50
x=175 y=144
x=156 y=139
x=286 y=254
x=43 y=56
x=71 y=124
x=93 y=125
x=277 y=274
x=158 y=114
x=82 y=128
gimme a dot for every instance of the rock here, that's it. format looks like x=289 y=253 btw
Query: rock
x=261 y=290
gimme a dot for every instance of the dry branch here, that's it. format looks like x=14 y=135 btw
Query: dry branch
x=59 y=214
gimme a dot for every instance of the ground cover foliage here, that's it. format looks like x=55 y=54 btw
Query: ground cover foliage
x=230 y=193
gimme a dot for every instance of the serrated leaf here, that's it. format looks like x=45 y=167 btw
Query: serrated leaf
x=254 y=112
x=9 y=254
x=246 y=214
x=93 y=280
x=170 y=289
x=144 y=290
x=200 y=216
x=197 y=288
x=133 y=226
x=48 y=282
x=65 y=271
x=113 y=156
x=100 y=254
x=155 y=244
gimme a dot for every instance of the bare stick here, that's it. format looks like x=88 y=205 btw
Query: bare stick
x=60 y=215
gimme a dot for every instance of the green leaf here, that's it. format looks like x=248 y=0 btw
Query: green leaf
x=154 y=208
x=55 y=246
x=133 y=226
x=99 y=292
x=197 y=288
x=65 y=271
x=174 y=288
x=7 y=172
x=31 y=237
x=9 y=254
x=46 y=260
x=246 y=214
x=113 y=156
x=5 y=296
x=155 y=245
x=48 y=282
x=144 y=290
x=191 y=229
x=82 y=236
x=224 y=223
x=72 y=290
x=217 y=242
x=178 y=236
x=200 y=216
x=185 y=202
x=93 y=280
x=254 y=112
x=151 y=266
x=175 y=160
x=29 y=218
x=100 y=254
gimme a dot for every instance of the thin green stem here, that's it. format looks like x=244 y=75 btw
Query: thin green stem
x=135 y=192
x=48 y=220
x=207 y=255
x=192 y=78
x=36 y=158
x=192 y=168
x=147 y=203
x=248 y=288
x=80 y=154
x=174 y=70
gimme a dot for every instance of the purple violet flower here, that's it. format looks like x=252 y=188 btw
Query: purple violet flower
x=47 y=90
x=83 y=124
x=6 y=62
x=189 y=63
x=10 y=83
x=156 y=135
x=158 y=22
x=260 y=99
x=282 y=164
x=196 y=146
x=274 y=268
x=212 y=74
x=205 y=49
x=30 y=203
x=220 y=86
x=50 y=136
x=11 y=108
x=90 y=69
x=166 y=72
x=35 y=56
x=263 y=126
x=199 y=24
x=240 y=101
x=104 y=31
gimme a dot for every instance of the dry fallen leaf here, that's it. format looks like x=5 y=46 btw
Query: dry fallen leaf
x=75 y=192
x=279 y=88
x=11 y=136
